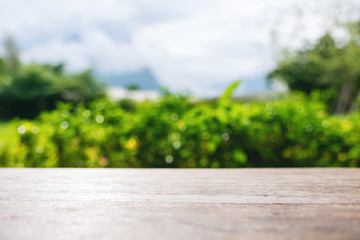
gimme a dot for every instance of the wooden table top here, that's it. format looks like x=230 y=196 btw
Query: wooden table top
x=180 y=204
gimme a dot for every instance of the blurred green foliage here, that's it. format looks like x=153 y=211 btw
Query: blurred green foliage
x=86 y=130
x=7 y=131
x=329 y=66
x=176 y=131
x=25 y=90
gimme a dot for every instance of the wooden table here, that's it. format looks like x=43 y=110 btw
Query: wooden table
x=179 y=204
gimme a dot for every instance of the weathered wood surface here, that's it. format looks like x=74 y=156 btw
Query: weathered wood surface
x=179 y=204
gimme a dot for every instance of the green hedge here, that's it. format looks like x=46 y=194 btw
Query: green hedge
x=177 y=132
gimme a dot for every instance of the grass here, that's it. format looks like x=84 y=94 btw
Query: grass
x=7 y=131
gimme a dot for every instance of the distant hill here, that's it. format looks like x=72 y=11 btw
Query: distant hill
x=144 y=79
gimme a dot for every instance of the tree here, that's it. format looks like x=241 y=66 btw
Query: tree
x=327 y=66
x=132 y=87
x=26 y=90
x=11 y=54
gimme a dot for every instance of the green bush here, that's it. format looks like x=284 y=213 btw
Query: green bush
x=175 y=131
x=36 y=87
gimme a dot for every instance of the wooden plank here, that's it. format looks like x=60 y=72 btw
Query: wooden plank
x=180 y=203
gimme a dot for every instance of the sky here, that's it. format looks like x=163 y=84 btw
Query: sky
x=201 y=45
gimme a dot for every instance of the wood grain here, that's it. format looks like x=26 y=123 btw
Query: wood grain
x=180 y=203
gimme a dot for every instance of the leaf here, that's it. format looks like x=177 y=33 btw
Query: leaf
x=225 y=98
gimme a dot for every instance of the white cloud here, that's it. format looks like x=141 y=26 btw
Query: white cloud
x=188 y=44
x=206 y=48
x=93 y=48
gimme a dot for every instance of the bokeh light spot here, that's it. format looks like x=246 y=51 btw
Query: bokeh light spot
x=64 y=125
x=169 y=159
x=35 y=130
x=21 y=129
x=309 y=128
x=86 y=113
x=174 y=116
x=99 y=119
x=177 y=144
x=225 y=137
